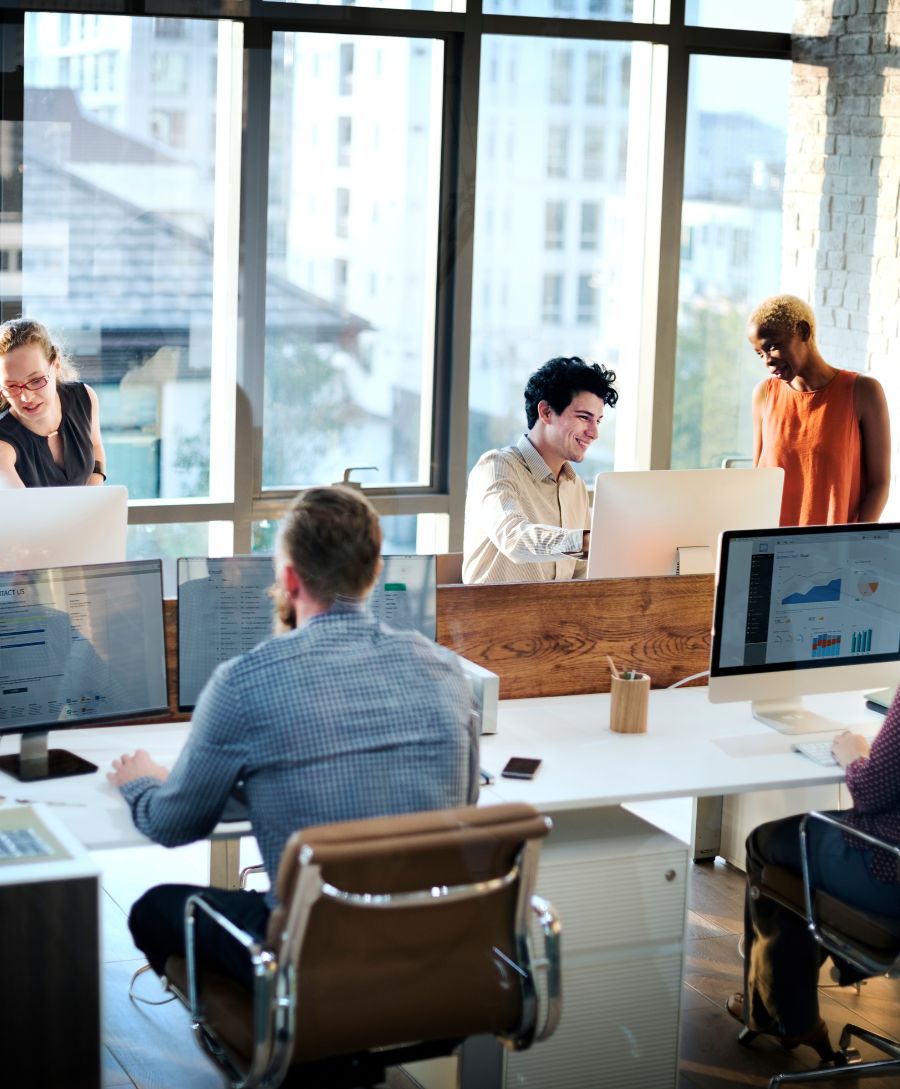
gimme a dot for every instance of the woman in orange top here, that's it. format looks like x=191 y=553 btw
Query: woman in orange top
x=827 y=428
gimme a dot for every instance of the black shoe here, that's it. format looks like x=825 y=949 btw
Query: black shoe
x=817 y=1039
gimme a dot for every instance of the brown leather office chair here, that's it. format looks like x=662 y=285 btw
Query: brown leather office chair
x=406 y=933
x=867 y=941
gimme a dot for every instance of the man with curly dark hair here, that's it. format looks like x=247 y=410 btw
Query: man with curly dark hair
x=527 y=512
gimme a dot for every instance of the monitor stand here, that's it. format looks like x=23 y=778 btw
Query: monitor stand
x=791 y=717
x=35 y=761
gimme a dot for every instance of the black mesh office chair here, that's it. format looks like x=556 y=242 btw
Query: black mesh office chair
x=866 y=941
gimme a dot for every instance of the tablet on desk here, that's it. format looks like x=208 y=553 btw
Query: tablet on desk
x=880 y=700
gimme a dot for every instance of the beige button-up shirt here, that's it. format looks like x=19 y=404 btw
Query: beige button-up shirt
x=521 y=521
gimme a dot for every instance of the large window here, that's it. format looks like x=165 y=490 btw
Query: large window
x=557 y=291
x=283 y=247
x=762 y=14
x=731 y=249
x=117 y=232
x=350 y=302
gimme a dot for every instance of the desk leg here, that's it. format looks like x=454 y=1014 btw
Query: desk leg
x=225 y=863
x=706 y=829
x=481 y=1063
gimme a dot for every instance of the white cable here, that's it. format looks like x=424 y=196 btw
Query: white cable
x=693 y=677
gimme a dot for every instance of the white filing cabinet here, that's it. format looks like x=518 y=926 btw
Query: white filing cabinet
x=619 y=885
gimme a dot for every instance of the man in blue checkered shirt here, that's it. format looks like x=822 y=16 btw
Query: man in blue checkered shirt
x=338 y=718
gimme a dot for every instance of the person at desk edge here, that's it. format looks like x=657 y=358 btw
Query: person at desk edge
x=338 y=719
x=827 y=428
x=49 y=422
x=527 y=512
x=781 y=957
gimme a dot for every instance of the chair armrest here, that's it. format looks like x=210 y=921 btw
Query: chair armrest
x=549 y=963
x=271 y=1007
x=264 y=962
x=851 y=946
x=848 y=829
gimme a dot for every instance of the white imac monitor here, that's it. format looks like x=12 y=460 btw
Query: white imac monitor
x=803 y=611
x=668 y=521
x=59 y=527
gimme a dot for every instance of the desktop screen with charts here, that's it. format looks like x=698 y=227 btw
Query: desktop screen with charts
x=804 y=598
x=224 y=609
x=81 y=644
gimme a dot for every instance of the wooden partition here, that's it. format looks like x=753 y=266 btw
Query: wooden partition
x=170 y=620
x=552 y=638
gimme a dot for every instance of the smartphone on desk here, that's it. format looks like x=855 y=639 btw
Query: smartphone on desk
x=520 y=767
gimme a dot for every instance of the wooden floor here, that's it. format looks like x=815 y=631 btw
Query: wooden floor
x=151 y=1046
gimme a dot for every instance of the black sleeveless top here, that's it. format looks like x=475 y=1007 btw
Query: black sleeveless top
x=34 y=462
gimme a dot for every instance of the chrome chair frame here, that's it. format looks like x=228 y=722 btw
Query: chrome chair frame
x=848 y=1064
x=274 y=1000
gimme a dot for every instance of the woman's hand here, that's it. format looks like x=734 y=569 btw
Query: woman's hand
x=847 y=747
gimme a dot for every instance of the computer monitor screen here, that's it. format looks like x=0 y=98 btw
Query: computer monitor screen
x=78 y=645
x=803 y=611
x=224 y=609
x=56 y=527
x=643 y=523
x=405 y=596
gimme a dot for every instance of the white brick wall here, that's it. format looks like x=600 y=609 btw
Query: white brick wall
x=842 y=188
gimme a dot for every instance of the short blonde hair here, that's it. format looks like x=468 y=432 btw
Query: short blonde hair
x=18 y=332
x=782 y=314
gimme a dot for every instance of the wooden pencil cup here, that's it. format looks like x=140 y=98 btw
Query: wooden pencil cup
x=629 y=700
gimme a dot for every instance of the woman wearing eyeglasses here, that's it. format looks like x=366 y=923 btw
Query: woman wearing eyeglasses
x=49 y=421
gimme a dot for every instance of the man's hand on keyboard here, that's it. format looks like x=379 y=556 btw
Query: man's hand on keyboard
x=126 y=768
x=848 y=747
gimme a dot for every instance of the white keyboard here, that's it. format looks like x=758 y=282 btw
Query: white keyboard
x=820 y=751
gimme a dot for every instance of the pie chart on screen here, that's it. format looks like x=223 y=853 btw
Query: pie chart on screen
x=867 y=586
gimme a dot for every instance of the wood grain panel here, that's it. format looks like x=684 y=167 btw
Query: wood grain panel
x=448 y=567
x=170 y=620
x=551 y=639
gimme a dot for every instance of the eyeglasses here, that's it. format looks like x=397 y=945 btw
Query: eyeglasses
x=13 y=389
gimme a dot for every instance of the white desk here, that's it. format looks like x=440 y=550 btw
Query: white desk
x=691 y=748
x=620 y=884
x=95 y=811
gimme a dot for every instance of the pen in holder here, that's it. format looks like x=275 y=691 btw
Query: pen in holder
x=629 y=699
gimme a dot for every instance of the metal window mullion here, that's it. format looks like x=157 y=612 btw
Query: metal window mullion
x=659 y=442
x=149 y=512
x=252 y=280
x=226 y=233
x=12 y=108
x=457 y=388
x=388 y=504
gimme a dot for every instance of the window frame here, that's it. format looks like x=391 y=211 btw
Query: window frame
x=239 y=497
